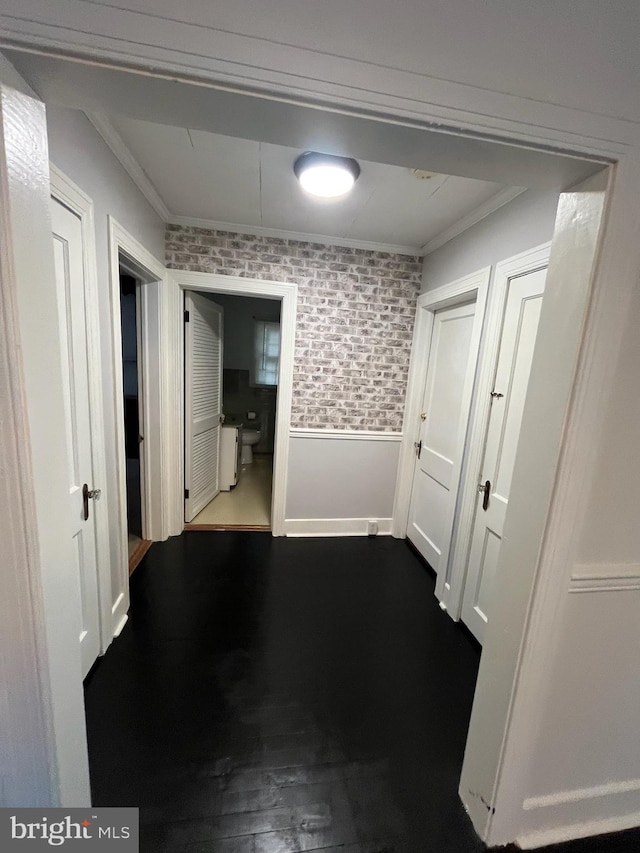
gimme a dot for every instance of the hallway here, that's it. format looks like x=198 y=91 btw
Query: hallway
x=273 y=696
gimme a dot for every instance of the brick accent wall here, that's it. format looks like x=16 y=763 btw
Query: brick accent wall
x=356 y=309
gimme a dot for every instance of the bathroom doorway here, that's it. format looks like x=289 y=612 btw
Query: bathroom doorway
x=238 y=376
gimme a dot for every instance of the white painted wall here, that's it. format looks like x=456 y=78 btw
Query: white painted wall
x=346 y=478
x=581 y=54
x=76 y=148
x=520 y=225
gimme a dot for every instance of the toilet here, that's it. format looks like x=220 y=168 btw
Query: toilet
x=250 y=437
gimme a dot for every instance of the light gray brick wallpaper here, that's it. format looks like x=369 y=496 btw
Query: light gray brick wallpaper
x=356 y=309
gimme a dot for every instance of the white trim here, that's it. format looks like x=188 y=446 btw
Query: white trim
x=10 y=77
x=604 y=571
x=309 y=527
x=455 y=292
x=121 y=151
x=28 y=724
x=484 y=113
x=153 y=274
x=520 y=264
x=572 y=831
x=605 y=577
x=578 y=794
x=68 y=193
x=345 y=434
x=287 y=293
x=324 y=239
x=472 y=218
x=550 y=487
x=238 y=63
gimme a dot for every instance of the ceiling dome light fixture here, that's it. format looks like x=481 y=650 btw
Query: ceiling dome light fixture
x=326 y=175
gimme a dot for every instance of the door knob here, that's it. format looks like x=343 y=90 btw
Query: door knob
x=485 y=490
x=87 y=495
x=418 y=447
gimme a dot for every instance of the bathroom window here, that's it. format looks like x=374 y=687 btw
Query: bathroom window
x=266 y=352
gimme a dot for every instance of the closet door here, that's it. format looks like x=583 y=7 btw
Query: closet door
x=445 y=413
x=82 y=507
x=203 y=401
x=519 y=330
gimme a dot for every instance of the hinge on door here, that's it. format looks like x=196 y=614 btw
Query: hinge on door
x=186 y=494
x=186 y=316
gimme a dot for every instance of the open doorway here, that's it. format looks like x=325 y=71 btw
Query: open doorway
x=132 y=373
x=561 y=401
x=235 y=342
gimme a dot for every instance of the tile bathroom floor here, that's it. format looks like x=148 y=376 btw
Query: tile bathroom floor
x=248 y=503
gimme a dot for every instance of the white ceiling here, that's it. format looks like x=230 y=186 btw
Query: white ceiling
x=241 y=182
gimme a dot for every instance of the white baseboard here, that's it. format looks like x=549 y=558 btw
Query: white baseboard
x=118 y=629
x=560 y=834
x=579 y=813
x=334 y=526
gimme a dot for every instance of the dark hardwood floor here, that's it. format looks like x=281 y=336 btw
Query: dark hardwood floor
x=281 y=695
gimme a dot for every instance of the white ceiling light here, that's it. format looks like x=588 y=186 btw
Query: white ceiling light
x=325 y=175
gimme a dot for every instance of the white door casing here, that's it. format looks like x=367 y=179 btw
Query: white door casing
x=70 y=286
x=151 y=274
x=203 y=401
x=172 y=417
x=519 y=329
x=455 y=309
x=445 y=408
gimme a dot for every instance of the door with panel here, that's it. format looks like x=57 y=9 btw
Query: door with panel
x=517 y=341
x=445 y=413
x=203 y=401
x=70 y=285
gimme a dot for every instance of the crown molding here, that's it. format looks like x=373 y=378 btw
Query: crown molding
x=474 y=216
x=116 y=143
x=118 y=146
x=325 y=239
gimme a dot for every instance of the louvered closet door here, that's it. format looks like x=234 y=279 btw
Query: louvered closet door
x=203 y=402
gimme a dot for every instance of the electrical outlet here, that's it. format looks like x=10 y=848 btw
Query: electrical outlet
x=372 y=527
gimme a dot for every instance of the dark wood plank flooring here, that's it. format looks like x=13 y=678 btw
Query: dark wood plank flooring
x=275 y=696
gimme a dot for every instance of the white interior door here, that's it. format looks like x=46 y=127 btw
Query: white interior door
x=445 y=413
x=519 y=330
x=70 y=282
x=203 y=401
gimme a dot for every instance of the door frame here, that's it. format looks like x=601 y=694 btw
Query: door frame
x=173 y=404
x=457 y=292
x=125 y=251
x=576 y=404
x=451 y=594
x=64 y=190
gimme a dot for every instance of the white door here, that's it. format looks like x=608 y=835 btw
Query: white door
x=69 y=270
x=203 y=401
x=520 y=326
x=445 y=413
